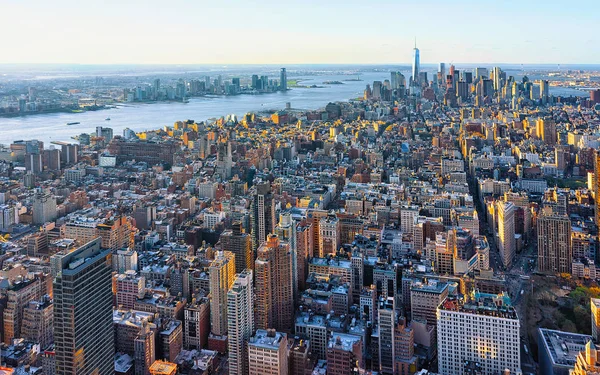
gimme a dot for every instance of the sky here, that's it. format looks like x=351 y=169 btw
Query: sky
x=299 y=31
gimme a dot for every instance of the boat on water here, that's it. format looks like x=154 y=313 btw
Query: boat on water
x=107 y=119
x=73 y=123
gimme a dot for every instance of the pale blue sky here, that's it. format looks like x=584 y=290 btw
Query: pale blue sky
x=298 y=31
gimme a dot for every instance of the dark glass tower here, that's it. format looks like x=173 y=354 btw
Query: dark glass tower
x=83 y=322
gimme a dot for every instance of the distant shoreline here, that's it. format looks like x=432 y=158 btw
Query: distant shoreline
x=56 y=110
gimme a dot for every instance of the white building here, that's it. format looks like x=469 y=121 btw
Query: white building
x=482 y=328
x=240 y=322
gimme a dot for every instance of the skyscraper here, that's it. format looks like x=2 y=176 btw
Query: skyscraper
x=263 y=214
x=506 y=232
x=497 y=72
x=44 y=207
x=240 y=244
x=597 y=184
x=240 y=322
x=416 y=66
x=283 y=80
x=554 y=244
x=544 y=91
x=387 y=321
x=83 y=313
x=221 y=276
x=274 y=296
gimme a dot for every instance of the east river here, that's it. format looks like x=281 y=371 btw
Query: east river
x=139 y=117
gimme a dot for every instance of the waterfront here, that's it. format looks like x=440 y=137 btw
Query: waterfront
x=139 y=117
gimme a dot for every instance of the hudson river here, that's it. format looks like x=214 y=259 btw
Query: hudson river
x=138 y=117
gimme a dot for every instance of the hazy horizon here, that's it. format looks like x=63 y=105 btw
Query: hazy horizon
x=296 y=32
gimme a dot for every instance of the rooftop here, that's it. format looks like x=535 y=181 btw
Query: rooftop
x=498 y=305
x=267 y=339
x=563 y=347
x=343 y=341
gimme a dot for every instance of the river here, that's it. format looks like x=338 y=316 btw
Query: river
x=139 y=117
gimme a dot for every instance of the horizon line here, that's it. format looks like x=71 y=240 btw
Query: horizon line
x=283 y=64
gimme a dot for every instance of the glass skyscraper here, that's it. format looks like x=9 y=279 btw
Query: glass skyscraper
x=416 y=65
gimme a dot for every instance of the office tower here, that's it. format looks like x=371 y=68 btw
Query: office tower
x=286 y=232
x=283 y=80
x=129 y=287
x=18 y=297
x=425 y=298
x=262 y=214
x=51 y=159
x=497 y=73
x=239 y=243
x=267 y=353
x=44 y=207
x=344 y=354
x=595 y=96
x=482 y=328
x=416 y=66
x=224 y=159
x=462 y=90
x=595 y=313
x=387 y=322
x=221 y=274
x=38 y=322
x=240 y=322
x=274 y=297
x=481 y=73
x=506 y=232
x=468 y=77
x=304 y=248
x=487 y=88
x=83 y=315
x=546 y=130
x=144 y=349
x=377 y=87
x=34 y=163
x=196 y=324
x=329 y=233
x=597 y=184
x=442 y=70
x=554 y=244
x=544 y=91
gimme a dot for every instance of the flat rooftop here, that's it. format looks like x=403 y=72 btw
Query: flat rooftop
x=563 y=347
x=267 y=339
x=343 y=341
